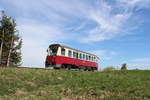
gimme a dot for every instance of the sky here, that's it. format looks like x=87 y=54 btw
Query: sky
x=118 y=31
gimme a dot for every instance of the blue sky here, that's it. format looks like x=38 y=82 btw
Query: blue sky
x=116 y=30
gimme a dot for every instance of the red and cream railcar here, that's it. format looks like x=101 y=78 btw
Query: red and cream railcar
x=60 y=56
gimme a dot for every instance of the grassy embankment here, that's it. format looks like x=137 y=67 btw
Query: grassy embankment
x=40 y=84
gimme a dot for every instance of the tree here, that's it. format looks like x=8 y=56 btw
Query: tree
x=15 y=57
x=1 y=37
x=12 y=35
x=124 y=67
x=11 y=42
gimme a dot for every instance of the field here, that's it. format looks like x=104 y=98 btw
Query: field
x=41 y=84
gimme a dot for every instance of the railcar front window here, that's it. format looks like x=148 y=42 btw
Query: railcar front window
x=53 y=50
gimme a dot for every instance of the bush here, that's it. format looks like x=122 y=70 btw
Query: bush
x=110 y=68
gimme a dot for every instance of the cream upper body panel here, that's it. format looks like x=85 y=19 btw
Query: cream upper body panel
x=59 y=53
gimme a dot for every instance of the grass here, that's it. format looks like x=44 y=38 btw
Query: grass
x=42 y=84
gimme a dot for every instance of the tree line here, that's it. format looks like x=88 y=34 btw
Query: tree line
x=10 y=42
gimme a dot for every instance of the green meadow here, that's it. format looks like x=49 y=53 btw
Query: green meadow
x=44 y=84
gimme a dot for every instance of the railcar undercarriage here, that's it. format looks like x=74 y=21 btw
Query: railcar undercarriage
x=69 y=67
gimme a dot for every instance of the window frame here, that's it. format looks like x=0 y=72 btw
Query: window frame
x=87 y=58
x=92 y=58
x=77 y=55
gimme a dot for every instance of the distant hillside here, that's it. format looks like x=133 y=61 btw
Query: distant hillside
x=42 y=84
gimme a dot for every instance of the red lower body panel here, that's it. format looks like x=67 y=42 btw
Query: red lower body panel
x=68 y=60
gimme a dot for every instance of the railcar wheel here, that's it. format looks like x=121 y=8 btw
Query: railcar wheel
x=63 y=66
x=92 y=69
x=68 y=67
x=89 y=69
x=85 y=69
x=47 y=65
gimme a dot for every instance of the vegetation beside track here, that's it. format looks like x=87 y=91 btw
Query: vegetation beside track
x=42 y=84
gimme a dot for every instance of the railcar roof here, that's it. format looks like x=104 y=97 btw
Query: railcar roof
x=73 y=49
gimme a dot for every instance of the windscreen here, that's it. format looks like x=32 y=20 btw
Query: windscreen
x=52 y=50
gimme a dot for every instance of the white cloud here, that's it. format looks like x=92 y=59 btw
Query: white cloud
x=1 y=9
x=111 y=19
x=109 y=25
x=139 y=66
x=139 y=63
x=104 y=54
x=142 y=60
x=106 y=58
x=136 y=3
x=36 y=38
x=101 y=54
x=98 y=52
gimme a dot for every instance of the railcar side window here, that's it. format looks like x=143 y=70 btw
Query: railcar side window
x=70 y=53
x=63 y=51
x=84 y=56
x=74 y=54
x=80 y=56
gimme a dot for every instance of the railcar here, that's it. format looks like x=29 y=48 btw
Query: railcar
x=64 y=57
